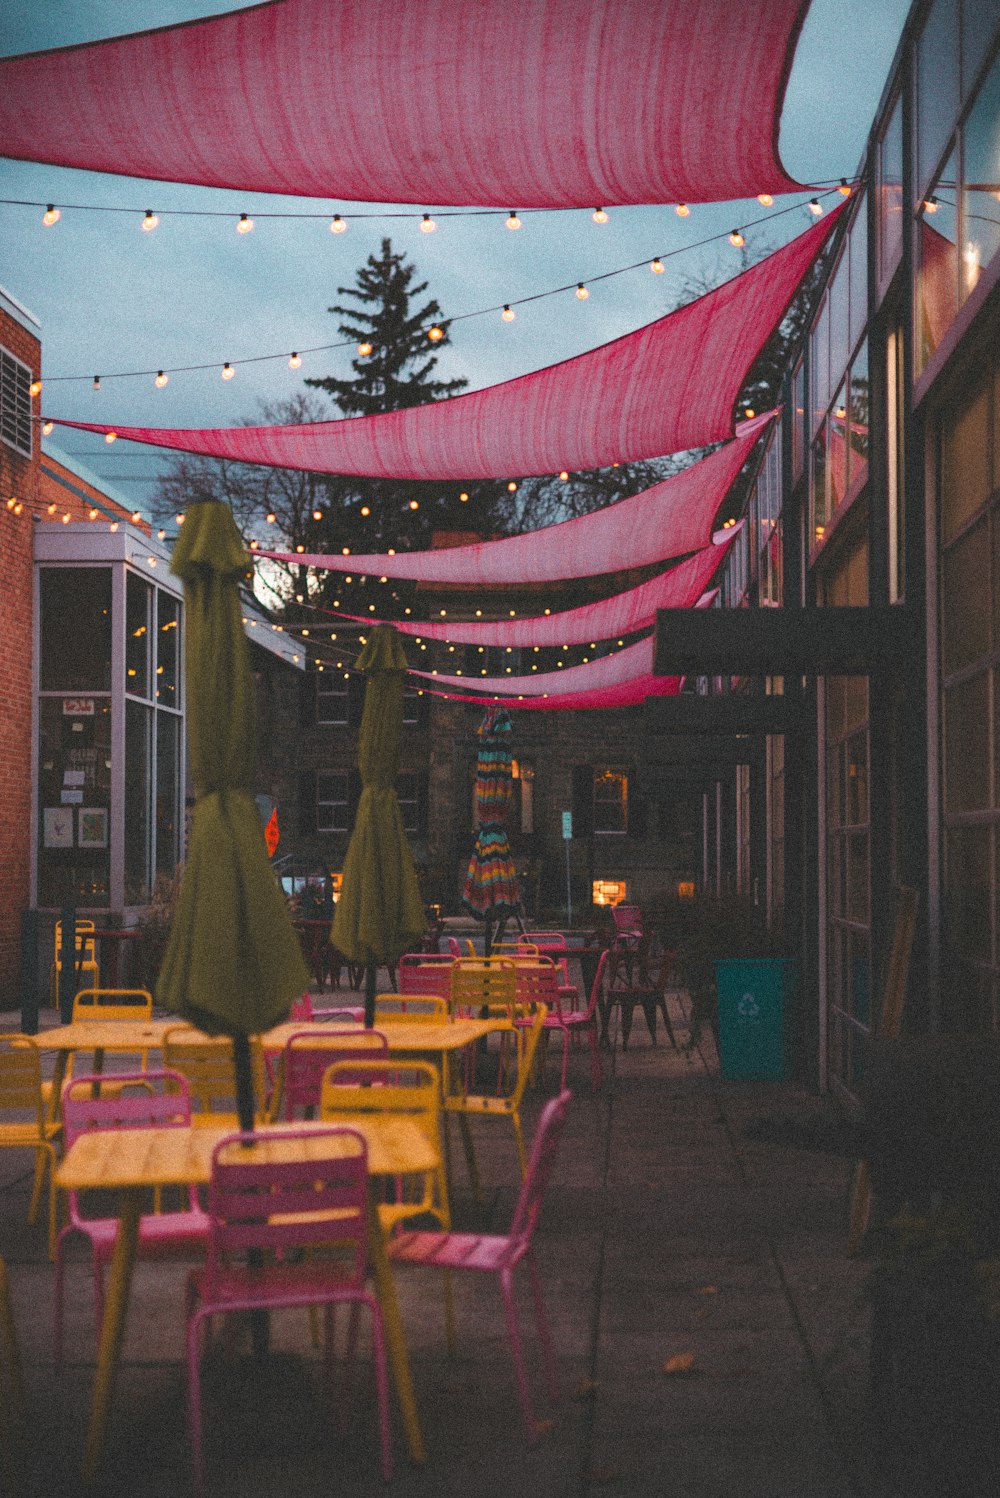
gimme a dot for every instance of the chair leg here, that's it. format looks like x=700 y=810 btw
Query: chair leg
x=470 y=1158
x=517 y=1353
x=522 y=1157
x=541 y=1322
x=41 y=1155
x=627 y=1010
x=381 y=1390
x=661 y=1004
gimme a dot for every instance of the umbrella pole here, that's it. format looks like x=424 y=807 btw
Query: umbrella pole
x=487 y=937
x=369 y=995
x=259 y=1329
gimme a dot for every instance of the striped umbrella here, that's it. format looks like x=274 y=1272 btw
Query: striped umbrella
x=491 y=891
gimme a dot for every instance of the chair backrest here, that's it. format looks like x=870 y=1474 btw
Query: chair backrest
x=627 y=920
x=308 y=1055
x=540 y=1166
x=478 y=981
x=112 y=1004
x=595 y=987
x=548 y=939
x=454 y=946
x=420 y=974
x=410 y=1006
x=526 y=1051
x=142 y=1100
x=410 y=1087
x=302 y=1008
x=208 y=1065
x=537 y=982
x=268 y=1193
x=519 y=948
x=20 y=1077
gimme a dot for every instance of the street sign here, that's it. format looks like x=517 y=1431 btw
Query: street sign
x=567 y=824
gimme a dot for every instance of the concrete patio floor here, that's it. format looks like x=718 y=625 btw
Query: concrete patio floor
x=687 y=1216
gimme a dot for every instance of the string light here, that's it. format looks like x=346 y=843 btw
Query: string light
x=35 y=388
x=149 y=220
x=295 y=361
x=512 y=221
x=845 y=188
x=765 y=199
x=581 y=291
x=227 y=371
x=508 y=314
x=271 y=518
x=180 y=517
x=815 y=207
x=337 y=224
x=749 y=413
x=364 y=349
x=599 y=216
x=427 y=225
x=656 y=266
x=414 y=504
x=136 y=515
x=682 y=210
x=931 y=204
x=161 y=379
x=435 y=334
x=96 y=383
x=511 y=487
x=51 y=509
x=736 y=239
x=464 y=498
x=111 y=436
x=161 y=534
x=47 y=427
x=51 y=216
x=245 y=224
x=317 y=514
x=563 y=474
x=365 y=510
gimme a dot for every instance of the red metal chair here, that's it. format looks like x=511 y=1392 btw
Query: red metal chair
x=308 y=1055
x=426 y=973
x=285 y=1214
x=500 y=1254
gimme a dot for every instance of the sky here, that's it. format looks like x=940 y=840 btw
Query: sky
x=111 y=298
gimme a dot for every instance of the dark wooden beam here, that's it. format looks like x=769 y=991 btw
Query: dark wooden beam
x=713 y=716
x=781 y=642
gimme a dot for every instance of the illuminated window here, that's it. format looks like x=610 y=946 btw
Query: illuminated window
x=608 y=891
x=610 y=802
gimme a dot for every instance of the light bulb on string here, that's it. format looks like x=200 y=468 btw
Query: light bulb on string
x=47 y=427
x=930 y=204
x=512 y=221
x=149 y=220
x=365 y=510
x=227 y=371
x=364 y=349
x=765 y=199
x=51 y=216
x=511 y=487
x=96 y=383
x=599 y=216
x=508 y=314
x=161 y=379
x=50 y=509
x=427 y=224
x=295 y=361
x=682 y=210
x=337 y=224
x=317 y=514
x=245 y=224
x=180 y=517
x=563 y=474
x=582 y=292
x=271 y=518
x=463 y=497
x=136 y=516
x=736 y=239
x=845 y=188
x=414 y=504
x=161 y=534
x=111 y=436
x=656 y=266
x=435 y=334
x=815 y=207
x=35 y=388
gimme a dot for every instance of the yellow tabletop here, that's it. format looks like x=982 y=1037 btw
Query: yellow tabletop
x=134 y=1158
x=402 y=1034
x=104 y=1035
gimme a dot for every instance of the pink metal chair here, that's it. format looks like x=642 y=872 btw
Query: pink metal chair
x=499 y=1254
x=430 y=974
x=454 y=947
x=143 y=1102
x=308 y=1055
x=304 y=1009
x=585 y=1021
x=537 y=982
x=286 y=1212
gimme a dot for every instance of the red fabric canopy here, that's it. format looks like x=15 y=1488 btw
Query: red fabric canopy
x=511 y=103
x=668 y=520
x=664 y=388
x=621 y=614
x=625 y=694
x=609 y=671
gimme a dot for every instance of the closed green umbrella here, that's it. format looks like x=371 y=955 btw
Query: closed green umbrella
x=233 y=963
x=380 y=913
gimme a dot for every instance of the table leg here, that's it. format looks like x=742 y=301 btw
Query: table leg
x=395 y=1341
x=58 y=1078
x=112 y=1333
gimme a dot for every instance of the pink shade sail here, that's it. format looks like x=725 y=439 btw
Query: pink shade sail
x=621 y=614
x=668 y=520
x=609 y=671
x=508 y=103
x=664 y=388
x=624 y=694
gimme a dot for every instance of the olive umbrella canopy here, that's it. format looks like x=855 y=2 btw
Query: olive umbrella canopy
x=490 y=890
x=380 y=912
x=233 y=963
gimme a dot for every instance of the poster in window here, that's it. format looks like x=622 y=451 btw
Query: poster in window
x=57 y=826
x=93 y=826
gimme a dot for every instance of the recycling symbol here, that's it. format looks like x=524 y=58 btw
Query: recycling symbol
x=748 y=1008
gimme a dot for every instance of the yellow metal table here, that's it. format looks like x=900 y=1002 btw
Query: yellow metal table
x=133 y=1160
x=98 y=1036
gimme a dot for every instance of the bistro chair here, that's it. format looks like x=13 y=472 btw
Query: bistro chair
x=646 y=986
x=306 y=1058
x=537 y=982
x=501 y=1253
x=287 y=1227
x=409 y=1006
x=425 y=974
x=207 y=1065
x=84 y=960
x=161 y=1234
x=24 y=1123
x=465 y=1105
x=584 y=1021
x=454 y=946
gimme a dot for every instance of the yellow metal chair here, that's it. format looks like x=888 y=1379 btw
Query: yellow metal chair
x=352 y=1089
x=410 y=1007
x=85 y=956
x=23 y=1121
x=466 y=1104
x=207 y=1063
x=13 y=1406
x=99 y=1005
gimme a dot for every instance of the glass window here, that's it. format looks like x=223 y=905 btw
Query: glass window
x=937 y=251
x=819 y=497
x=980 y=22
x=798 y=421
x=74 y=798
x=138 y=599
x=408 y=794
x=981 y=182
x=819 y=364
x=967 y=759
x=859 y=272
x=15 y=403
x=332 y=810
x=138 y=785
x=840 y=319
x=967 y=918
x=857 y=416
x=332 y=698
x=76 y=629
x=168 y=765
x=168 y=617
x=837 y=455
x=610 y=801
x=937 y=87
x=965 y=464
x=894 y=447
x=889 y=228
x=966 y=601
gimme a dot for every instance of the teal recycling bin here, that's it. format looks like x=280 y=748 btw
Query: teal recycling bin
x=754 y=994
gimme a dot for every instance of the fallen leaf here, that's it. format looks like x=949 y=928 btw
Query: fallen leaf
x=585 y=1389
x=679 y=1364
x=708 y=1289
